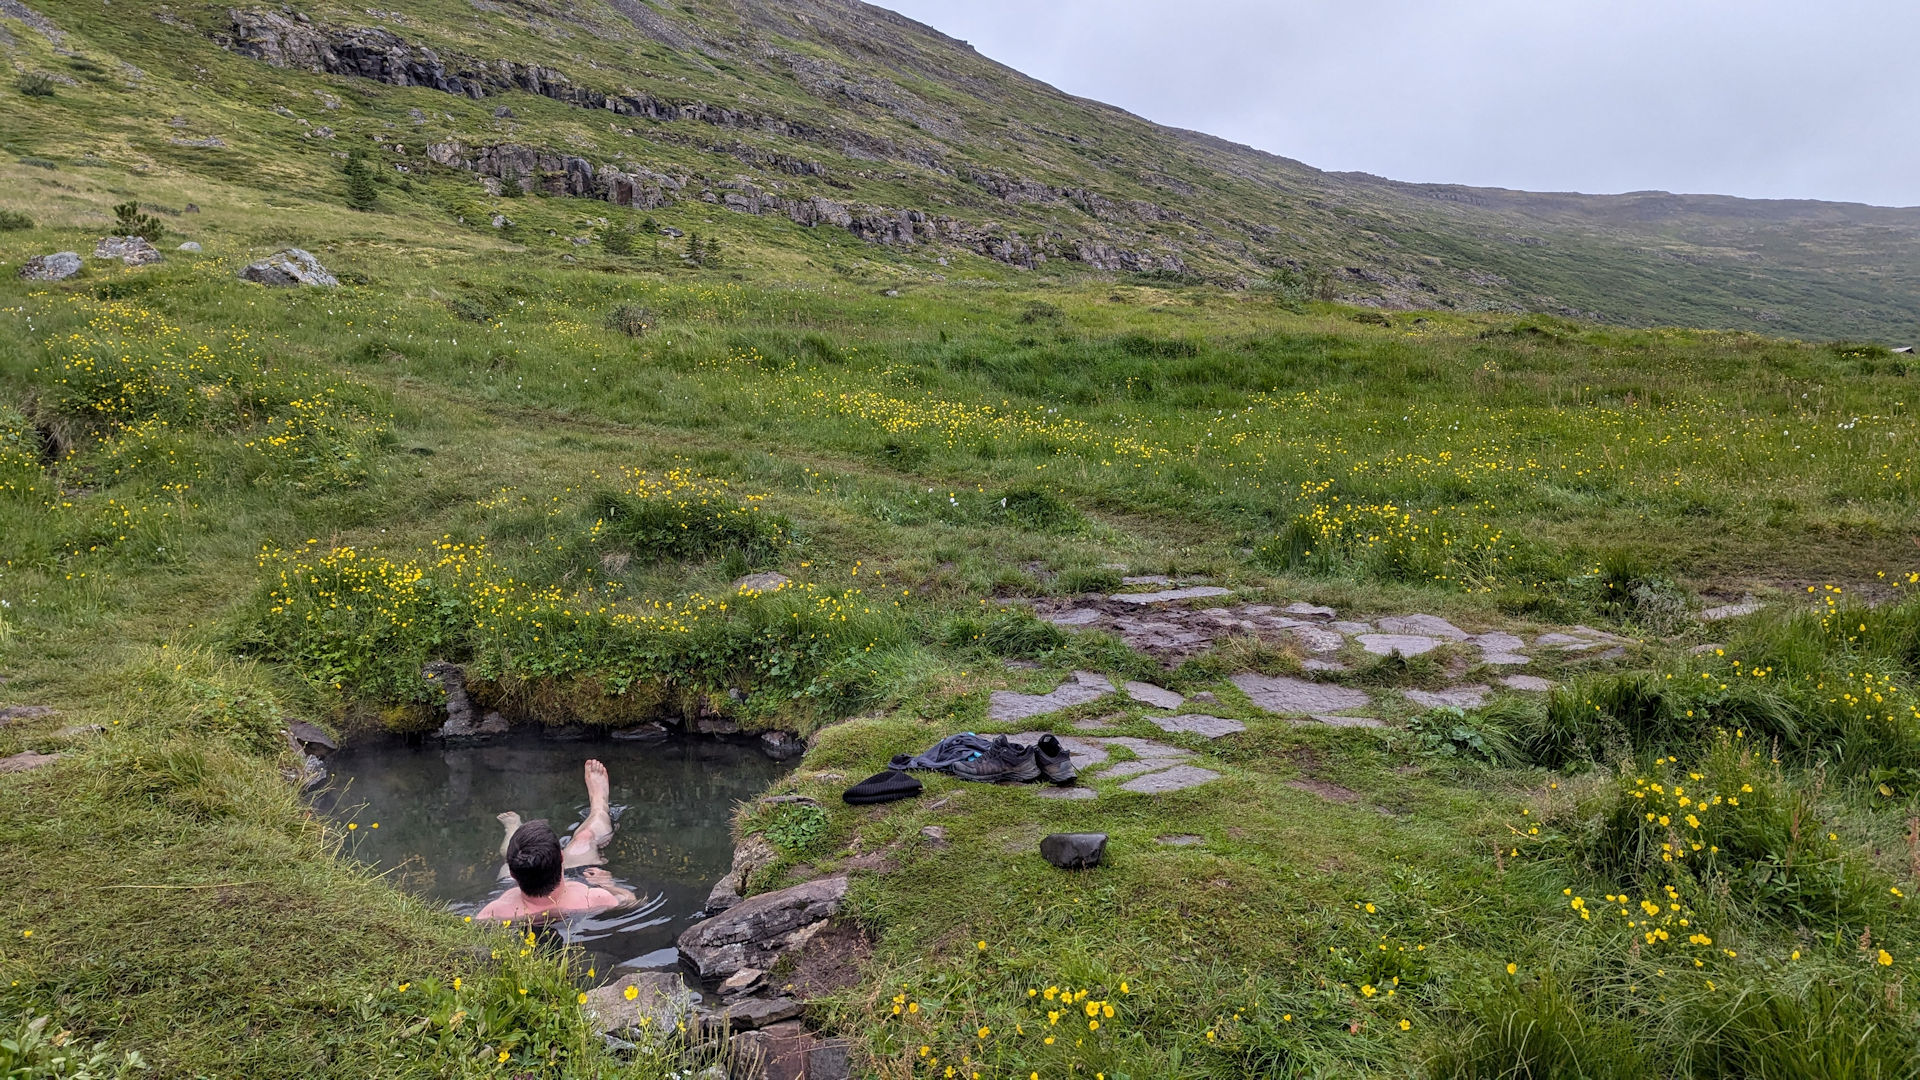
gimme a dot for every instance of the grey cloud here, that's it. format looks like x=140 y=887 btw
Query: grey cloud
x=1762 y=98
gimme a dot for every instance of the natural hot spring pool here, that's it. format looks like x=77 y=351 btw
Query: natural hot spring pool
x=439 y=837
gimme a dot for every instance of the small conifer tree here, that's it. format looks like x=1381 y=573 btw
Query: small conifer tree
x=129 y=221
x=360 y=190
x=693 y=248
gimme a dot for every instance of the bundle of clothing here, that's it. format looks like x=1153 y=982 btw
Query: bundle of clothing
x=969 y=757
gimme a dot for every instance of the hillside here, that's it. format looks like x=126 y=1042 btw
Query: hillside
x=842 y=116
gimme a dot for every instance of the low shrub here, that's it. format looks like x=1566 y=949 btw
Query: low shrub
x=681 y=515
x=14 y=220
x=1731 y=830
x=632 y=320
x=35 y=84
x=129 y=221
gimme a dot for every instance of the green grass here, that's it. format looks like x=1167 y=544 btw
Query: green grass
x=222 y=507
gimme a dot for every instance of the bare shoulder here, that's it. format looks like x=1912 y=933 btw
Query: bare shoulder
x=505 y=906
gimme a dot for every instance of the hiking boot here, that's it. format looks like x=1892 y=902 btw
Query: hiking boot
x=1055 y=761
x=1003 y=761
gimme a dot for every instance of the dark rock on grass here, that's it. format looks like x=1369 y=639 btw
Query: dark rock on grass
x=284 y=269
x=787 y=1051
x=58 y=266
x=311 y=737
x=757 y=1012
x=756 y=931
x=132 y=250
x=1074 y=851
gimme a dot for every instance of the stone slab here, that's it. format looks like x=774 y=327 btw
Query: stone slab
x=1501 y=659
x=1179 y=840
x=1317 y=639
x=1211 y=727
x=1404 y=644
x=1533 y=684
x=1070 y=793
x=1158 y=697
x=1311 y=611
x=26 y=761
x=1458 y=697
x=1147 y=579
x=1283 y=695
x=1085 y=686
x=1349 y=627
x=1193 y=592
x=1426 y=625
x=1074 y=617
x=1314 y=663
x=1498 y=642
x=1178 y=778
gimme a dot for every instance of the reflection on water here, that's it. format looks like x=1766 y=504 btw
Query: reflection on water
x=439 y=836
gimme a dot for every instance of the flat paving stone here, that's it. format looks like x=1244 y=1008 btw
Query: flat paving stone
x=1564 y=642
x=1283 y=695
x=1212 y=727
x=1348 y=721
x=1159 y=697
x=1497 y=642
x=1502 y=659
x=1317 y=639
x=1085 y=686
x=1428 y=625
x=26 y=761
x=1075 y=617
x=1179 y=840
x=1404 y=644
x=1458 y=697
x=1178 y=778
x=1349 y=627
x=1074 y=793
x=1314 y=663
x=1306 y=610
x=1193 y=592
x=1147 y=579
x=1531 y=683
x=1135 y=768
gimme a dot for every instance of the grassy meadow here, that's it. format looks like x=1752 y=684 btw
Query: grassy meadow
x=222 y=506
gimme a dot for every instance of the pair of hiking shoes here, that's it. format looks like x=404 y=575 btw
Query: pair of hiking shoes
x=1012 y=762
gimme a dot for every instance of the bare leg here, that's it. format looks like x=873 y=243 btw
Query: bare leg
x=593 y=833
x=511 y=820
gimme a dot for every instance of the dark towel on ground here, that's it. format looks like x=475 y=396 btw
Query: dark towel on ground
x=882 y=787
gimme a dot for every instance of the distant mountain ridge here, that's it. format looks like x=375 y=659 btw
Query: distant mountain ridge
x=838 y=114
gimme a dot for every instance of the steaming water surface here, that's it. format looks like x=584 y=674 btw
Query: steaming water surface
x=439 y=837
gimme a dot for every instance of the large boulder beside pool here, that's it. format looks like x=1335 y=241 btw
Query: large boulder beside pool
x=284 y=269
x=758 y=930
x=58 y=266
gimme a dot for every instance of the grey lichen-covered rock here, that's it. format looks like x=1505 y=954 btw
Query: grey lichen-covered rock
x=190 y=246
x=1211 y=727
x=1458 y=697
x=757 y=931
x=1178 y=778
x=748 y=855
x=1074 y=851
x=1280 y=694
x=761 y=583
x=1004 y=705
x=287 y=268
x=132 y=250
x=58 y=266
x=661 y=1001
x=1404 y=644
x=26 y=761
x=1159 y=697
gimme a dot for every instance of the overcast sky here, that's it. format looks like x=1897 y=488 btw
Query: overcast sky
x=1762 y=98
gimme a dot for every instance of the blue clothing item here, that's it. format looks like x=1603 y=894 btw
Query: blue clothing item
x=945 y=754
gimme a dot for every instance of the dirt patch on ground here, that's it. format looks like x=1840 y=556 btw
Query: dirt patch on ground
x=1332 y=792
x=831 y=962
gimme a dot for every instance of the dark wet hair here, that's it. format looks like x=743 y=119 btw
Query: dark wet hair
x=534 y=858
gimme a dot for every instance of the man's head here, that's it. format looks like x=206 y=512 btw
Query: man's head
x=534 y=858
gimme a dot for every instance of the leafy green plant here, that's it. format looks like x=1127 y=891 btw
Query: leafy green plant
x=797 y=828
x=1447 y=732
x=29 y=1052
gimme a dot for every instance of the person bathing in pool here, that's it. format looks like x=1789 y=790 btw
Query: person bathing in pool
x=538 y=863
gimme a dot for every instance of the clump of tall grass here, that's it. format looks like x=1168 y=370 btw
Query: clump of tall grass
x=681 y=515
